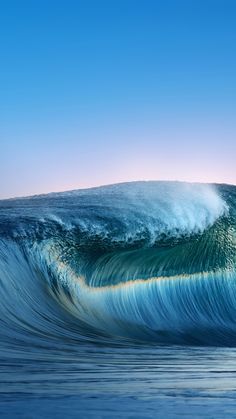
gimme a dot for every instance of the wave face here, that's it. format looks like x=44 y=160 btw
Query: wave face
x=149 y=262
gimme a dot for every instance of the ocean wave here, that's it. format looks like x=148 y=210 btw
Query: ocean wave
x=145 y=261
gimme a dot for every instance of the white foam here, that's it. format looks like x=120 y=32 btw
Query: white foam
x=132 y=211
x=156 y=208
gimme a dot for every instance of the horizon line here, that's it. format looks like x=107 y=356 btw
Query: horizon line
x=112 y=184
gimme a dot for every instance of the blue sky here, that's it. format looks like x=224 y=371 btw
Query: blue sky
x=97 y=92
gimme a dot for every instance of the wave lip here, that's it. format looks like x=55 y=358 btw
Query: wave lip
x=133 y=210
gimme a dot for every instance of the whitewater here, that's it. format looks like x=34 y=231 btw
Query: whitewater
x=119 y=297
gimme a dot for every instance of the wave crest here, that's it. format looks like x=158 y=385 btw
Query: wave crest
x=144 y=210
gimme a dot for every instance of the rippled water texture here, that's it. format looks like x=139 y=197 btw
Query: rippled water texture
x=119 y=302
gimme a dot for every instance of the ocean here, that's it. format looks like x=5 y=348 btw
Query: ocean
x=119 y=301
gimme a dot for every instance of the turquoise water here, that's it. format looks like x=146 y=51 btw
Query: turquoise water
x=119 y=302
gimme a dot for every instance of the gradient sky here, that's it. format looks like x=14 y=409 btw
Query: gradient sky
x=102 y=91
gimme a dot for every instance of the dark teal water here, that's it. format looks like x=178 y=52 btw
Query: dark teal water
x=119 y=302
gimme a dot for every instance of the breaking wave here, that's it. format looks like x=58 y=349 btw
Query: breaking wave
x=149 y=262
